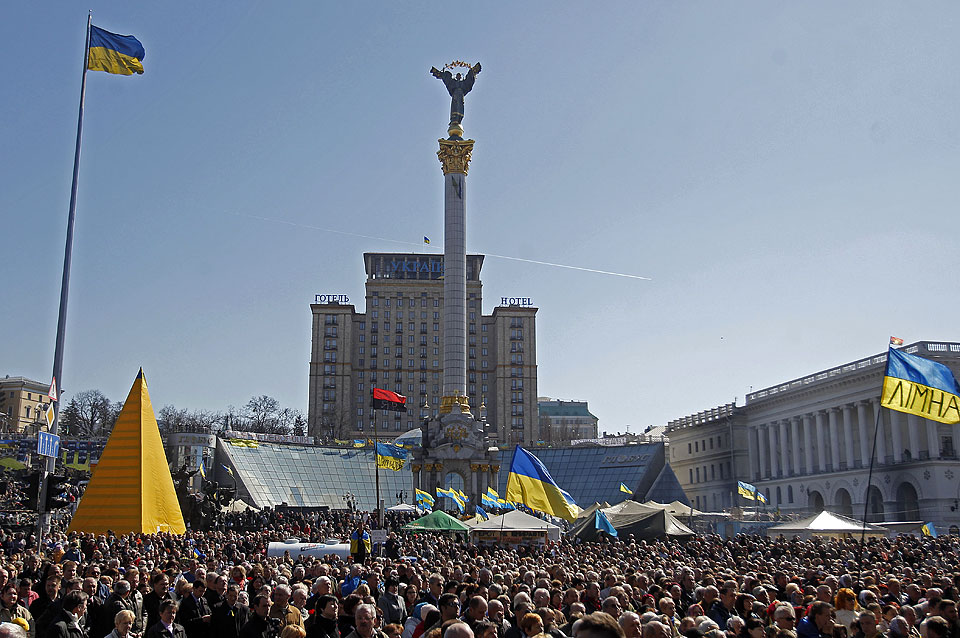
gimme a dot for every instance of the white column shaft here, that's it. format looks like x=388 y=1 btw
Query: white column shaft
x=848 y=435
x=455 y=284
x=881 y=433
x=863 y=426
x=784 y=450
x=896 y=435
x=834 y=425
x=808 y=443
x=774 y=456
x=753 y=462
x=821 y=447
x=762 y=449
x=933 y=439
x=913 y=431
x=795 y=444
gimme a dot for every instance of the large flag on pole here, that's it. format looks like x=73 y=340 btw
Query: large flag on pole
x=920 y=387
x=119 y=54
x=530 y=483
x=386 y=400
x=746 y=490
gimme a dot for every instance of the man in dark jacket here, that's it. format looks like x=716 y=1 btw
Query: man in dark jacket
x=66 y=624
x=259 y=625
x=228 y=617
x=194 y=612
x=165 y=627
x=118 y=601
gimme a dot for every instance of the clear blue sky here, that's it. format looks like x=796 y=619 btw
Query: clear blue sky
x=786 y=173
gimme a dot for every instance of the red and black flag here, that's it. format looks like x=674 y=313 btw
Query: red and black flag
x=386 y=400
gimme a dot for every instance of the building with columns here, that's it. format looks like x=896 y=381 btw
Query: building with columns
x=809 y=442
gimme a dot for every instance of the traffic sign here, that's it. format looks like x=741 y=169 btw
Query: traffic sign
x=53 y=390
x=378 y=536
x=48 y=444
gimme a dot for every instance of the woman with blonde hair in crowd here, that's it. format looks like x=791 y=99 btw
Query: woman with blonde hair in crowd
x=847 y=609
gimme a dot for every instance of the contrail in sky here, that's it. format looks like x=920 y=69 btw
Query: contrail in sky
x=410 y=243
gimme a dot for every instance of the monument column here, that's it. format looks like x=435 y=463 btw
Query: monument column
x=752 y=453
x=455 y=157
x=807 y=443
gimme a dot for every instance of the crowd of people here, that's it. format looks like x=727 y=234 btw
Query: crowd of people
x=222 y=584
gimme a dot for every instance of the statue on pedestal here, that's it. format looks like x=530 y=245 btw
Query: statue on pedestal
x=457 y=86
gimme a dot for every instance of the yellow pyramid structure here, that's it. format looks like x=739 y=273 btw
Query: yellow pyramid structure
x=131 y=489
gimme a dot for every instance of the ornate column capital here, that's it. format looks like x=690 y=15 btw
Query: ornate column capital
x=474 y=467
x=415 y=467
x=455 y=155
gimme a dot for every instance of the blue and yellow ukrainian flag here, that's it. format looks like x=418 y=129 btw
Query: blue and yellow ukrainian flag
x=119 y=54
x=929 y=530
x=426 y=239
x=482 y=514
x=452 y=495
x=488 y=501
x=746 y=490
x=425 y=497
x=203 y=470
x=530 y=483
x=492 y=493
x=503 y=503
x=390 y=457
x=625 y=489
x=761 y=497
x=920 y=387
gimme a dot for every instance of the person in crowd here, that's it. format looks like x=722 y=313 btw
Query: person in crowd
x=122 y=624
x=67 y=622
x=227 y=619
x=10 y=609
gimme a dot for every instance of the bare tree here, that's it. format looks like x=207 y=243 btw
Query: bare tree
x=88 y=414
x=262 y=414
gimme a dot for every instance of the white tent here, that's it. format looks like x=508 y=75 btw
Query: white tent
x=402 y=507
x=826 y=524
x=515 y=527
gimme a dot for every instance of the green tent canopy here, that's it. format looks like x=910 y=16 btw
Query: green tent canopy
x=438 y=521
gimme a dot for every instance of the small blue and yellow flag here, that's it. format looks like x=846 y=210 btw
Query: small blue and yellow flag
x=746 y=490
x=493 y=493
x=203 y=470
x=227 y=468
x=761 y=497
x=426 y=239
x=503 y=503
x=390 y=457
x=530 y=483
x=482 y=514
x=119 y=54
x=625 y=489
x=929 y=530
x=488 y=501
x=920 y=387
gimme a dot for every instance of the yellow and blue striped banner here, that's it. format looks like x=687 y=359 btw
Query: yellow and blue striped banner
x=625 y=489
x=920 y=387
x=119 y=54
x=530 y=483
x=425 y=497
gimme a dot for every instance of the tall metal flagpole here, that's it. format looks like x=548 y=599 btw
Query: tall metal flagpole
x=50 y=466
